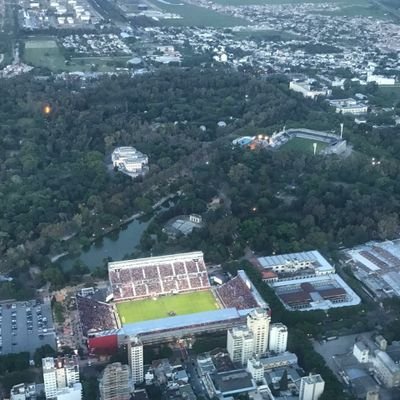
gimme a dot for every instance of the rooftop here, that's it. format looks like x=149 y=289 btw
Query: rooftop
x=235 y=381
x=180 y=321
x=314 y=257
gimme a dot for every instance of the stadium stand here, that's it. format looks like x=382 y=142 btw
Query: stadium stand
x=154 y=276
x=236 y=294
x=95 y=316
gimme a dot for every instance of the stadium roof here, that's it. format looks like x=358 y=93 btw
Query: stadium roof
x=143 y=262
x=179 y=321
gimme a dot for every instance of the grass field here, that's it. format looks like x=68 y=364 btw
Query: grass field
x=197 y=16
x=303 y=145
x=46 y=53
x=258 y=2
x=144 y=310
x=266 y=35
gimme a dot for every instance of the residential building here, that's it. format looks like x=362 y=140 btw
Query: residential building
x=372 y=395
x=361 y=352
x=23 y=392
x=115 y=382
x=229 y=383
x=311 y=387
x=256 y=369
x=135 y=356
x=59 y=373
x=278 y=336
x=386 y=369
x=307 y=90
x=258 y=321
x=349 y=106
x=245 y=341
x=281 y=360
x=72 y=392
x=240 y=344
x=381 y=80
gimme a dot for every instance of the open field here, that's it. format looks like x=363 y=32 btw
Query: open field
x=358 y=10
x=303 y=145
x=162 y=307
x=45 y=53
x=41 y=44
x=258 y=2
x=267 y=35
x=197 y=16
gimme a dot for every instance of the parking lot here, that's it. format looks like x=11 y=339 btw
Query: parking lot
x=25 y=326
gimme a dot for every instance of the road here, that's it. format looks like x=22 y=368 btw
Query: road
x=388 y=9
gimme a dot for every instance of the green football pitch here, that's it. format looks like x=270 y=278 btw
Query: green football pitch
x=165 y=306
x=303 y=145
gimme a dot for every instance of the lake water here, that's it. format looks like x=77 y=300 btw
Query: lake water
x=116 y=245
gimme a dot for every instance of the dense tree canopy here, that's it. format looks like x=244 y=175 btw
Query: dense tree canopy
x=55 y=183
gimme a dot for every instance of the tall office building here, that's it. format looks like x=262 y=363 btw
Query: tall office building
x=278 y=335
x=115 y=383
x=311 y=387
x=135 y=356
x=258 y=323
x=59 y=373
x=240 y=344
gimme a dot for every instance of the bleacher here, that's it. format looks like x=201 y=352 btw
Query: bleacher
x=154 y=276
x=95 y=316
x=235 y=293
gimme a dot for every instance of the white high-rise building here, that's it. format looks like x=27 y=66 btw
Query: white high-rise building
x=311 y=387
x=258 y=323
x=240 y=344
x=115 y=383
x=256 y=369
x=59 y=373
x=278 y=336
x=135 y=356
x=246 y=341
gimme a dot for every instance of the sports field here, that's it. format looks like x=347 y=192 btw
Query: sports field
x=196 y=16
x=303 y=145
x=165 y=306
x=46 y=53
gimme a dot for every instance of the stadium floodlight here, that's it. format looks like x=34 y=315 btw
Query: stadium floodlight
x=315 y=148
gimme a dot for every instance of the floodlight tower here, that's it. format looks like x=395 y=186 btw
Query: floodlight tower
x=315 y=148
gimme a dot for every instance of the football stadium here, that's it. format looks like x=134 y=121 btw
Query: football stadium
x=164 y=298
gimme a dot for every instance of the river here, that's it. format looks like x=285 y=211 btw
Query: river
x=116 y=245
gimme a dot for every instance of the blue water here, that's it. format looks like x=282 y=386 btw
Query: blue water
x=115 y=245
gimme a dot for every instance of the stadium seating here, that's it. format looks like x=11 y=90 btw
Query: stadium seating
x=94 y=315
x=235 y=293
x=135 y=282
x=179 y=268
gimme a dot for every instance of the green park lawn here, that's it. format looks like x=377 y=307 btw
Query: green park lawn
x=303 y=145
x=181 y=304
